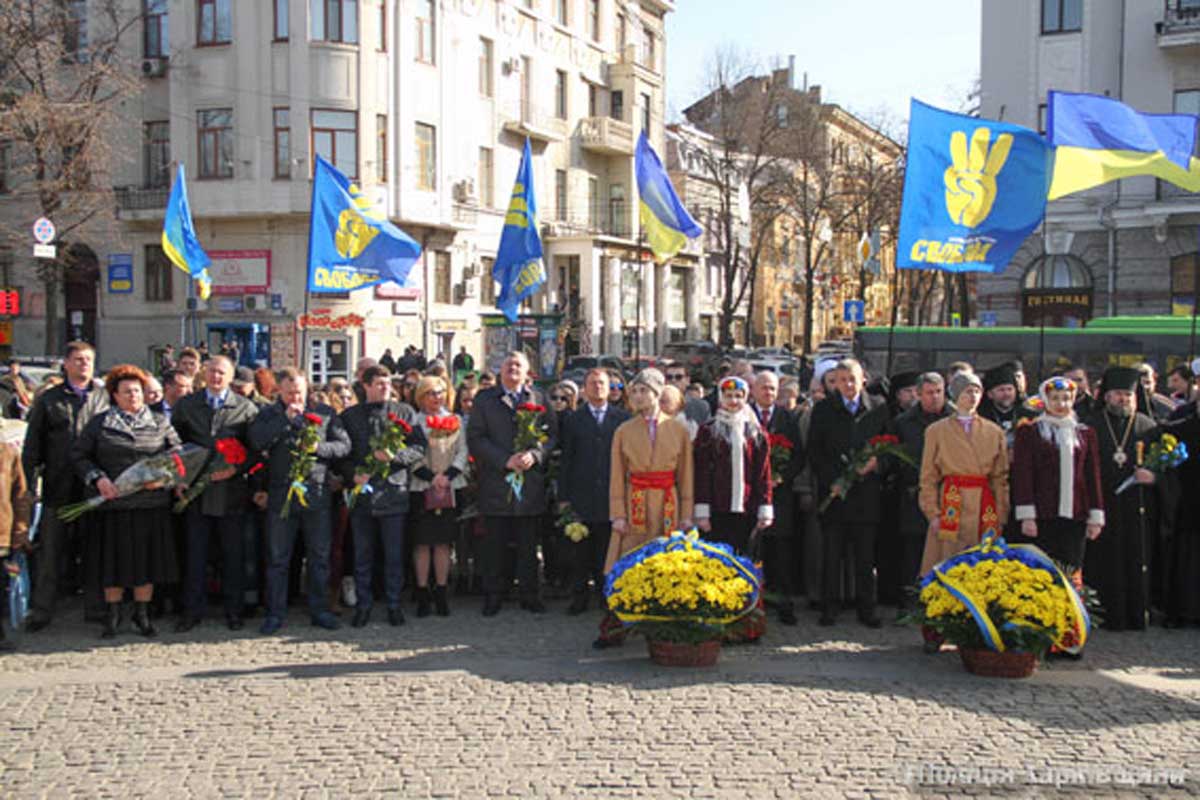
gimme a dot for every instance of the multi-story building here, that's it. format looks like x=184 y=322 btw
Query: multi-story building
x=426 y=105
x=1127 y=247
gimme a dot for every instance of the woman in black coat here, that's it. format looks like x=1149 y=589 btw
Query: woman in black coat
x=130 y=544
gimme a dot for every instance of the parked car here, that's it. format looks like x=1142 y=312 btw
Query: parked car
x=636 y=365
x=608 y=361
x=699 y=357
x=780 y=366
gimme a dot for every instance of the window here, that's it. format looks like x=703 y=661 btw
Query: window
x=487 y=284
x=560 y=194
x=381 y=148
x=485 y=67
x=382 y=44
x=646 y=113
x=593 y=95
x=281 y=20
x=74 y=33
x=562 y=12
x=426 y=157
x=441 y=277
x=594 y=203
x=159 y=271
x=1041 y=120
x=781 y=115
x=1187 y=101
x=425 y=20
x=214 y=24
x=560 y=94
x=1062 y=16
x=334 y=21
x=487 y=180
x=5 y=167
x=335 y=138
x=594 y=20
x=214 y=131
x=282 y=123
x=154 y=28
x=648 y=54
x=156 y=160
x=617 y=105
x=622 y=34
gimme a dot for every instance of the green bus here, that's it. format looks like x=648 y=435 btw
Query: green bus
x=1164 y=341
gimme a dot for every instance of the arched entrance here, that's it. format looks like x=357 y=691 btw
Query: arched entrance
x=1056 y=291
x=81 y=279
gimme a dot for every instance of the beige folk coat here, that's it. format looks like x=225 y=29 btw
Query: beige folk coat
x=949 y=450
x=632 y=452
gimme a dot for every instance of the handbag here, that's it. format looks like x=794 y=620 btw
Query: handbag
x=439 y=499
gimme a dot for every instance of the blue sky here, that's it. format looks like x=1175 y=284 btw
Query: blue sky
x=869 y=56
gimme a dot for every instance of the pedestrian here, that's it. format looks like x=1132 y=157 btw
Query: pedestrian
x=129 y=545
x=564 y=396
x=205 y=418
x=616 y=389
x=1180 y=575
x=16 y=508
x=275 y=431
x=462 y=364
x=16 y=391
x=694 y=408
x=360 y=367
x=189 y=364
x=1004 y=404
x=166 y=358
x=387 y=360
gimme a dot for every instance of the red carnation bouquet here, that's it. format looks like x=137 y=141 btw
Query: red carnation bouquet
x=163 y=471
x=781 y=456
x=230 y=453
x=531 y=433
x=876 y=446
x=304 y=456
x=390 y=441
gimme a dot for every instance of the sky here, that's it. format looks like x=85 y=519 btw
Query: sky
x=869 y=56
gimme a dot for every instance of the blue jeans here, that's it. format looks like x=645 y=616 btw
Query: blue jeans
x=390 y=530
x=200 y=528
x=316 y=523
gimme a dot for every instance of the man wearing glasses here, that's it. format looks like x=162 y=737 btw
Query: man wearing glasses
x=695 y=410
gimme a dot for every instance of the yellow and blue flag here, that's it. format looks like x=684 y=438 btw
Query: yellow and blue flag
x=179 y=240
x=666 y=223
x=1099 y=139
x=974 y=189
x=351 y=244
x=518 y=268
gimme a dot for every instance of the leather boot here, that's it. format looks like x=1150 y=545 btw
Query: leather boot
x=141 y=620
x=422 y=601
x=439 y=601
x=112 y=621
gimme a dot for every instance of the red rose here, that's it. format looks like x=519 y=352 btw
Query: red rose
x=534 y=407
x=402 y=425
x=179 y=467
x=883 y=439
x=313 y=419
x=232 y=451
x=256 y=468
x=779 y=440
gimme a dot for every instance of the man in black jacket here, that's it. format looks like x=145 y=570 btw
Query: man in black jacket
x=276 y=431
x=586 y=435
x=203 y=418
x=510 y=515
x=843 y=424
x=57 y=418
x=381 y=512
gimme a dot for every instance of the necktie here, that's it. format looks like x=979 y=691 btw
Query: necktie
x=764 y=414
x=598 y=413
x=214 y=403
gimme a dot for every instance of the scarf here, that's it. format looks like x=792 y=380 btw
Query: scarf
x=1062 y=430
x=731 y=426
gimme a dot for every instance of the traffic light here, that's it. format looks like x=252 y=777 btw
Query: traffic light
x=10 y=302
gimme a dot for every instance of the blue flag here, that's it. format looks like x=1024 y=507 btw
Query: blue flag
x=666 y=223
x=518 y=268
x=350 y=242
x=974 y=190
x=179 y=240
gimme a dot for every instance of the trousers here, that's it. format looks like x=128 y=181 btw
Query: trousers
x=201 y=528
x=314 y=522
x=389 y=531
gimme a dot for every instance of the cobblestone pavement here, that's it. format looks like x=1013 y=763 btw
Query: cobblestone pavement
x=521 y=706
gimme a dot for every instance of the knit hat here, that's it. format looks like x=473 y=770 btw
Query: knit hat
x=652 y=379
x=961 y=381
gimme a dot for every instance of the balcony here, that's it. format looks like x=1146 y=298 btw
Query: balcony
x=536 y=124
x=606 y=135
x=599 y=219
x=141 y=202
x=1180 y=26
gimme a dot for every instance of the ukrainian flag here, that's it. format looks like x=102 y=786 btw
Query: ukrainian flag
x=179 y=240
x=1098 y=139
x=518 y=268
x=665 y=221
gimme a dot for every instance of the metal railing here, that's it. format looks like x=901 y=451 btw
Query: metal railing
x=141 y=198
x=1180 y=15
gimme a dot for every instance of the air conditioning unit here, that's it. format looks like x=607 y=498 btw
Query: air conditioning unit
x=511 y=66
x=154 y=67
x=464 y=191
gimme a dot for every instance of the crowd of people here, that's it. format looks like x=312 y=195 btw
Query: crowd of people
x=416 y=481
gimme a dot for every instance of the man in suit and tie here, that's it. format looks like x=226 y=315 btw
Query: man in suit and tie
x=201 y=418
x=509 y=515
x=586 y=436
x=176 y=385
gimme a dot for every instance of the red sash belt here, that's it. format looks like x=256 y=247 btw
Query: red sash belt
x=952 y=502
x=640 y=483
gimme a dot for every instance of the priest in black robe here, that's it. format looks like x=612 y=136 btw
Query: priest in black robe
x=1181 y=570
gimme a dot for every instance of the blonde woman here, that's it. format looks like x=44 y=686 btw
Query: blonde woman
x=436 y=479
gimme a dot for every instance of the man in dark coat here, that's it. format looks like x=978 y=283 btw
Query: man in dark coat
x=1004 y=402
x=842 y=424
x=910 y=525
x=57 y=418
x=510 y=515
x=1118 y=563
x=276 y=431
x=203 y=418
x=586 y=436
x=382 y=512
x=780 y=540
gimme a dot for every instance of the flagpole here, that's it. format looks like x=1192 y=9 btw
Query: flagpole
x=637 y=340
x=1195 y=299
x=892 y=326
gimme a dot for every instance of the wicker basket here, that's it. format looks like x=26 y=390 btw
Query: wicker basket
x=991 y=664
x=679 y=654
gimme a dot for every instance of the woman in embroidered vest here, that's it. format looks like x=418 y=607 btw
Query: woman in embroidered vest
x=1056 y=485
x=964 y=475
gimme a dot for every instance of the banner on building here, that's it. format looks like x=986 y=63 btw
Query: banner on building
x=240 y=271
x=120 y=273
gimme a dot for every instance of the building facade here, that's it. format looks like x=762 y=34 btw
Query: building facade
x=426 y=105
x=1128 y=247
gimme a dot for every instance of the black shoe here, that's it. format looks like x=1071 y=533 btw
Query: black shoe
x=112 y=621
x=827 y=620
x=931 y=646
x=141 y=620
x=35 y=623
x=578 y=605
x=234 y=622
x=534 y=606
x=362 y=615
x=423 y=606
x=870 y=620
x=440 y=605
x=603 y=644
x=7 y=646
x=95 y=615
x=491 y=605
x=787 y=615
x=395 y=617
x=186 y=623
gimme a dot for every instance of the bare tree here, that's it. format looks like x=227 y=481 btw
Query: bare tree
x=65 y=68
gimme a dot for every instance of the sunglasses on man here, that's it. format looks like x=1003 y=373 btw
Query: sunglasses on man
x=677 y=376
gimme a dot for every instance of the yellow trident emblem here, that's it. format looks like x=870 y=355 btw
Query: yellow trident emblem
x=354 y=233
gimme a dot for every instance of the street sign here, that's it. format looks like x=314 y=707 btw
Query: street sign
x=854 y=311
x=120 y=273
x=44 y=231
x=987 y=319
x=44 y=251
